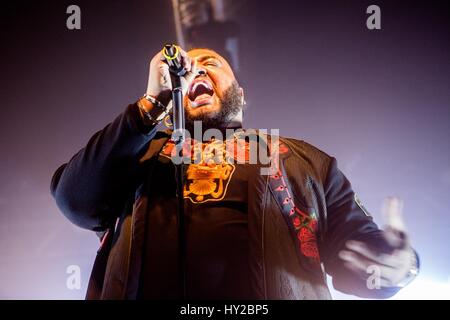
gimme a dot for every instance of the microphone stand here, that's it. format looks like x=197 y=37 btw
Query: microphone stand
x=179 y=139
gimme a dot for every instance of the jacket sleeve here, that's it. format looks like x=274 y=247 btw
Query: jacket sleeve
x=347 y=219
x=92 y=188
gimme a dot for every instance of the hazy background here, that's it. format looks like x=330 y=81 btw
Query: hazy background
x=376 y=100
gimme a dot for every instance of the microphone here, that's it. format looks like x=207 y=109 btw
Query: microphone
x=173 y=58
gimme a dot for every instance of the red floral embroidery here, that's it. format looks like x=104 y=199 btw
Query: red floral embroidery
x=305 y=224
x=313 y=225
x=240 y=150
x=306 y=235
x=282 y=148
x=297 y=222
x=309 y=249
x=170 y=151
x=236 y=149
x=308 y=242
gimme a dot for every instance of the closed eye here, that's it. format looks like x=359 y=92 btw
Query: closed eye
x=212 y=63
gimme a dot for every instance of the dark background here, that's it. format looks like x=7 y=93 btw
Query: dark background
x=377 y=100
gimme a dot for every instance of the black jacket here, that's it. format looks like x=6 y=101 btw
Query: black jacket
x=298 y=218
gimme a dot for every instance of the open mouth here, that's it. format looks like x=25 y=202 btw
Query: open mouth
x=200 y=93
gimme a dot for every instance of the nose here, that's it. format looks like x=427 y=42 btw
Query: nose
x=201 y=71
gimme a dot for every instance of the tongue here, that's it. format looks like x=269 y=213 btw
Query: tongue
x=203 y=96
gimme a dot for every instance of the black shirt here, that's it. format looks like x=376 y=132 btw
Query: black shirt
x=217 y=246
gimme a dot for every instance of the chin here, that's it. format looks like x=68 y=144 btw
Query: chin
x=201 y=111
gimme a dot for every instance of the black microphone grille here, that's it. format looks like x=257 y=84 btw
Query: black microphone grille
x=170 y=51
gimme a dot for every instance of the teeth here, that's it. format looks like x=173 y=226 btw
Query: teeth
x=197 y=83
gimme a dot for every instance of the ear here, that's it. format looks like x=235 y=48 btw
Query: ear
x=241 y=91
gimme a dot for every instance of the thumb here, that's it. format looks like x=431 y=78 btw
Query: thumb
x=190 y=75
x=395 y=230
x=395 y=238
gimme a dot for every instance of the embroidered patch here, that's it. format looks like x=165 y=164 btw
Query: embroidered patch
x=207 y=182
x=361 y=206
x=208 y=178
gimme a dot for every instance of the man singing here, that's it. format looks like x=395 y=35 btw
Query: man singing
x=248 y=235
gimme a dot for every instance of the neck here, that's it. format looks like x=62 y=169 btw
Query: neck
x=232 y=124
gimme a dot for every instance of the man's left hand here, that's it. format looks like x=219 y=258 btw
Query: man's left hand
x=395 y=267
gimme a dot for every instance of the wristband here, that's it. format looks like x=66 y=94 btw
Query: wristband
x=156 y=114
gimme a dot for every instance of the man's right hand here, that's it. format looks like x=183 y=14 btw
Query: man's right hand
x=159 y=82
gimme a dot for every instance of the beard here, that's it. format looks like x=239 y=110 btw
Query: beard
x=230 y=105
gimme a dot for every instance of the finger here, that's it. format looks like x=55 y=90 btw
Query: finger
x=392 y=276
x=384 y=278
x=355 y=270
x=192 y=72
x=392 y=214
x=395 y=230
x=395 y=238
x=183 y=53
x=186 y=61
x=383 y=283
x=361 y=263
x=164 y=75
x=169 y=106
x=364 y=250
x=156 y=60
x=356 y=262
x=364 y=267
x=189 y=77
x=386 y=283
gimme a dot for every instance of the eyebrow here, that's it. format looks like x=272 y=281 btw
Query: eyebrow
x=203 y=58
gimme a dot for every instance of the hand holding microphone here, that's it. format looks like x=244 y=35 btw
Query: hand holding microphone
x=173 y=59
x=170 y=59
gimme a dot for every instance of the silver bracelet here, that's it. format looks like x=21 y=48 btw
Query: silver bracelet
x=154 y=101
x=156 y=117
x=412 y=272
